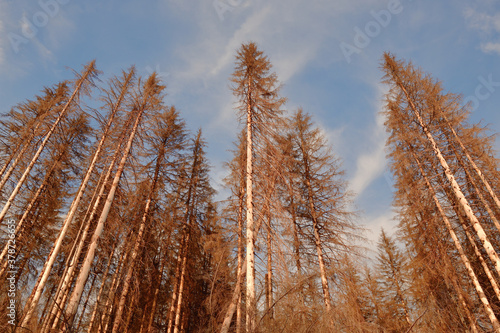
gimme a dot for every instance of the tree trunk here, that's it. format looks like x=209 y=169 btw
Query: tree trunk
x=101 y=288
x=131 y=265
x=456 y=188
x=33 y=301
x=251 y=305
x=269 y=275
x=463 y=257
x=182 y=282
x=474 y=166
x=74 y=262
x=20 y=224
x=6 y=176
x=240 y=256
x=108 y=307
x=85 y=269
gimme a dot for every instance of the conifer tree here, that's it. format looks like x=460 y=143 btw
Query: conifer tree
x=429 y=135
x=322 y=208
x=392 y=269
x=257 y=91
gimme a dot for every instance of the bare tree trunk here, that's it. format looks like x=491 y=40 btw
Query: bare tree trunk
x=155 y=298
x=37 y=291
x=319 y=249
x=85 y=269
x=470 y=318
x=85 y=303
x=20 y=224
x=182 y=282
x=240 y=253
x=236 y=294
x=269 y=275
x=6 y=176
x=463 y=257
x=130 y=312
x=474 y=166
x=138 y=241
x=73 y=264
x=478 y=192
x=131 y=265
x=171 y=312
x=68 y=275
x=456 y=188
x=251 y=305
x=234 y=300
x=108 y=307
x=101 y=288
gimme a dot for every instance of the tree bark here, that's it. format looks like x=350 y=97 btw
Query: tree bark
x=251 y=306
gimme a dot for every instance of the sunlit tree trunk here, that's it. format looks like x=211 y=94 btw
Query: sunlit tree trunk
x=89 y=72
x=85 y=269
x=124 y=87
x=138 y=241
x=451 y=179
x=463 y=257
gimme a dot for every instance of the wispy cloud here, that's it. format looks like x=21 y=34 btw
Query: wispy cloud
x=488 y=24
x=371 y=165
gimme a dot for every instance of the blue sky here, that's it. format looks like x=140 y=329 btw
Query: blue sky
x=326 y=53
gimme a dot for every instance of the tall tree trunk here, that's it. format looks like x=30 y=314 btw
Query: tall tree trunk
x=73 y=264
x=20 y=224
x=30 y=307
x=269 y=275
x=182 y=281
x=101 y=288
x=155 y=298
x=474 y=166
x=85 y=269
x=251 y=305
x=20 y=154
x=86 y=302
x=463 y=257
x=108 y=306
x=241 y=196
x=171 y=312
x=455 y=187
x=318 y=244
x=135 y=252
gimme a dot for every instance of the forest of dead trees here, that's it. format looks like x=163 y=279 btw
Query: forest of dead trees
x=109 y=222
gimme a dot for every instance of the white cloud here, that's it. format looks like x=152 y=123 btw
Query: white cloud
x=482 y=21
x=371 y=165
x=488 y=25
x=491 y=47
